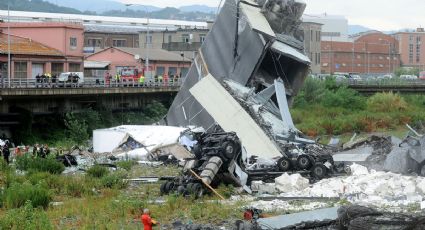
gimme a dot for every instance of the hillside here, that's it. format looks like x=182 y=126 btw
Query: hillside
x=119 y=11
x=37 y=6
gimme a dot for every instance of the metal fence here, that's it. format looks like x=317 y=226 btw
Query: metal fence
x=88 y=83
x=383 y=82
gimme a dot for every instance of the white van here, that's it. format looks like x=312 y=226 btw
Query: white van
x=66 y=77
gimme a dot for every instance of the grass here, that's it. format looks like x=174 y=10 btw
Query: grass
x=101 y=200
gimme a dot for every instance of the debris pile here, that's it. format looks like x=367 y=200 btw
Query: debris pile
x=371 y=188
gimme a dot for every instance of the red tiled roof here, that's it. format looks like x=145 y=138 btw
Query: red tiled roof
x=20 y=45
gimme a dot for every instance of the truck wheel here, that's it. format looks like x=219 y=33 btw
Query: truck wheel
x=284 y=164
x=303 y=162
x=181 y=190
x=169 y=186
x=319 y=171
x=229 y=149
x=162 y=188
x=197 y=190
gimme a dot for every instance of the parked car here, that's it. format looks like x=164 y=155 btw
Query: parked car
x=356 y=77
x=408 y=77
x=422 y=75
x=385 y=77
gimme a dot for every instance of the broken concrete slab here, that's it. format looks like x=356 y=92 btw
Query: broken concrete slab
x=290 y=183
x=279 y=222
x=399 y=161
x=354 y=155
x=233 y=118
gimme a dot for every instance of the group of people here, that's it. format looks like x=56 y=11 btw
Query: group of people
x=46 y=78
x=40 y=150
x=5 y=151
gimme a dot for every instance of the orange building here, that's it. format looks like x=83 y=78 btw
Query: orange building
x=66 y=38
x=26 y=55
x=369 y=53
x=411 y=48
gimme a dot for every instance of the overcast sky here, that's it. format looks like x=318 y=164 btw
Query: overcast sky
x=375 y=14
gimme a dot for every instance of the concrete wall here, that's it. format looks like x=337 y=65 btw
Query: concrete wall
x=163 y=37
x=106 y=39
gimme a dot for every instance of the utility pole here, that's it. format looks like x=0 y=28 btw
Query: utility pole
x=8 y=45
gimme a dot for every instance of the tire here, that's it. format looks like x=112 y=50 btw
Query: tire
x=169 y=186
x=319 y=171
x=162 y=188
x=181 y=190
x=284 y=164
x=304 y=162
x=189 y=187
x=197 y=190
x=229 y=149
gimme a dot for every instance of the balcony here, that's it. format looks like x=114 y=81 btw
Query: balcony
x=182 y=46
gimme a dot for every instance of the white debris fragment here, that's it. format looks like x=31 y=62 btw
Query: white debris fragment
x=290 y=183
x=358 y=170
x=374 y=188
x=287 y=206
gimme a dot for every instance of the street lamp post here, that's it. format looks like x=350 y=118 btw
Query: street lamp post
x=147 y=36
x=9 y=72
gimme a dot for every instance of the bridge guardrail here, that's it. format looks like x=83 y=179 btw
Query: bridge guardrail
x=88 y=83
x=383 y=82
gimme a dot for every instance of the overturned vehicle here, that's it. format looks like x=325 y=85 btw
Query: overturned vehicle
x=244 y=78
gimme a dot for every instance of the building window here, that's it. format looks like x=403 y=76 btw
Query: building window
x=311 y=35
x=74 y=67
x=148 y=39
x=170 y=38
x=184 y=71
x=202 y=38
x=119 y=43
x=160 y=70
x=418 y=52
x=57 y=68
x=411 y=53
x=186 y=38
x=94 y=42
x=318 y=36
x=172 y=71
x=73 y=42
x=411 y=38
x=20 y=70
x=3 y=70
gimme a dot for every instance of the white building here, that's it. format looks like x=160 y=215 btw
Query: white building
x=334 y=27
x=25 y=16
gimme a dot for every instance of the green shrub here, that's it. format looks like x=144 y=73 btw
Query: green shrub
x=54 y=182
x=25 y=217
x=115 y=180
x=97 y=171
x=27 y=163
x=127 y=165
x=18 y=194
x=76 y=187
x=386 y=102
x=344 y=98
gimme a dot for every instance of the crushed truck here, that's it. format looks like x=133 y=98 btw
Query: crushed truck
x=246 y=74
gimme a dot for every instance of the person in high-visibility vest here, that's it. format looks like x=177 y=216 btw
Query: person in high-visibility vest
x=160 y=79
x=142 y=80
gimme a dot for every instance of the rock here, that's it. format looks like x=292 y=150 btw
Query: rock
x=358 y=170
x=291 y=183
x=399 y=161
x=421 y=186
